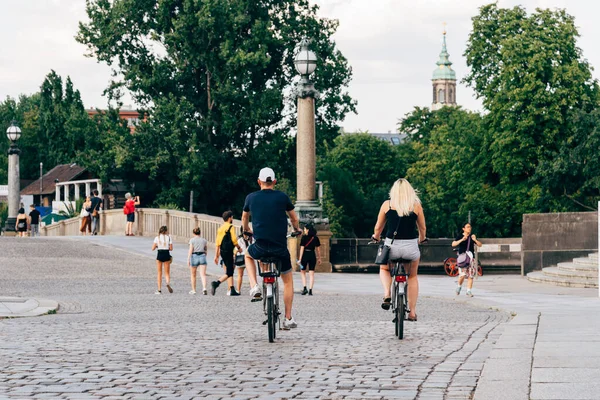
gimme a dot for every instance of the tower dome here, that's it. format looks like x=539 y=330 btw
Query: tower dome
x=444 y=80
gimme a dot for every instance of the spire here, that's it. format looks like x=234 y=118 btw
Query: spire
x=444 y=69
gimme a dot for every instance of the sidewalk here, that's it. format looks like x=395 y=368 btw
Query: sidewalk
x=550 y=350
x=13 y=307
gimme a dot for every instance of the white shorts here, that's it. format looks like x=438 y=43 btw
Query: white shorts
x=404 y=249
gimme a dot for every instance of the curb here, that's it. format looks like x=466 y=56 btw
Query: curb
x=18 y=307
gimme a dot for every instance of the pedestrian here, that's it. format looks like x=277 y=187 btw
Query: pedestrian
x=309 y=245
x=21 y=223
x=164 y=244
x=226 y=243
x=34 y=221
x=244 y=242
x=402 y=216
x=197 y=258
x=86 y=216
x=466 y=261
x=129 y=211
x=96 y=207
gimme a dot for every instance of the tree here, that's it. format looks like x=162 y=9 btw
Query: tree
x=531 y=75
x=215 y=78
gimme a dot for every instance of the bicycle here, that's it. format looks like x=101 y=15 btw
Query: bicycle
x=269 y=270
x=399 y=291
x=451 y=268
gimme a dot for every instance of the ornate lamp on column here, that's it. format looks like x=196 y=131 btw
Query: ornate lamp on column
x=308 y=208
x=14 y=191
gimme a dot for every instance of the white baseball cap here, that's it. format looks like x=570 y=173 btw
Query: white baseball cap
x=266 y=175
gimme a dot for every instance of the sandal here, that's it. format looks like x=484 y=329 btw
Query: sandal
x=412 y=319
x=387 y=303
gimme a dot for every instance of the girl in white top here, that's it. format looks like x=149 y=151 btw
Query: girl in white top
x=244 y=241
x=164 y=244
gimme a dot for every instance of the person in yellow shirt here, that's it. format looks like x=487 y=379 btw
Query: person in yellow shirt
x=226 y=242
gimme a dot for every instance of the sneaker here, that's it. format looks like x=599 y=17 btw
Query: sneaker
x=158 y=292
x=204 y=292
x=228 y=292
x=458 y=288
x=304 y=291
x=192 y=292
x=213 y=287
x=310 y=292
x=469 y=293
x=233 y=292
x=289 y=323
x=256 y=293
x=170 y=288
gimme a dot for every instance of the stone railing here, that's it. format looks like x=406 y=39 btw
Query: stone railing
x=147 y=223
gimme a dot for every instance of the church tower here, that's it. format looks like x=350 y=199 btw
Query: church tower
x=444 y=81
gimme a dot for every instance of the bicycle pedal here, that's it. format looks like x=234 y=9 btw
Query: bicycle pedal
x=254 y=299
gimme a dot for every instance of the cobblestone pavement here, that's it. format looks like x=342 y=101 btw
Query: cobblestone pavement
x=113 y=338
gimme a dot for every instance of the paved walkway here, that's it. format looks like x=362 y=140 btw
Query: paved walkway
x=102 y=341
x=15 y=307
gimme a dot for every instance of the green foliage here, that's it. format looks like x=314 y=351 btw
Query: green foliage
x=70 y=210
x=336 y=214
x=216 y=91
x=167 y=206
x=3 y=213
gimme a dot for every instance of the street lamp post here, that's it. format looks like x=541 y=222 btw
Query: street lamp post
x=14 y=191
x=307 y=207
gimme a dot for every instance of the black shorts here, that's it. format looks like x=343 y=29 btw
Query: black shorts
x=163 y=256
x=227 y=259
x=131 y=217
x=309 y=260
x=260 y=250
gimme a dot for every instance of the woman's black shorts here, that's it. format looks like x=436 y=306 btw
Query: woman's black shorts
x=309 y=261
x=131 y=217
x=163 y=256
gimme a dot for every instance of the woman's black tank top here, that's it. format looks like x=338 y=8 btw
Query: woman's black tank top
x=407 y=229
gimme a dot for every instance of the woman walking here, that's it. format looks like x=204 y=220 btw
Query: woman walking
x=309 y=245
x=403 y=216
x=197 y=258
x=129 y=210
x=164 y=244
x=86 y=216
x=21 y=223
x=244 y=241
x=466 y=249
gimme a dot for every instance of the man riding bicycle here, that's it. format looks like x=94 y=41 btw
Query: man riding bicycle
x=269 y=209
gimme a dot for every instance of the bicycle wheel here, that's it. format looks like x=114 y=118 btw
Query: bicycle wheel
x=450 y=266
x=400 y=317
x=275 y=310
x=395 y=306
x=271 y=319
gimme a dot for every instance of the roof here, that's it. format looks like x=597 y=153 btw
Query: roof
x=64 y=173
x=444 y=69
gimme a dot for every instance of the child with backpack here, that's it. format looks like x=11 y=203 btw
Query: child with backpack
x=226 y=243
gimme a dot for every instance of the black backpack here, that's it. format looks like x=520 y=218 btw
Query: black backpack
x=227 y=243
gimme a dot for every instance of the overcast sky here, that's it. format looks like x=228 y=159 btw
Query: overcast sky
x=392 y=46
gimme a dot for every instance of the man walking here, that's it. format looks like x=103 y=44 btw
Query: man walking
x=34 y=221
x=226 y=243
x=96 y=207
x=269 y=209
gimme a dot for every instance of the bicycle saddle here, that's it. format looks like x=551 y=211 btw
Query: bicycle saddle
x=270 y=260
x=400 y=260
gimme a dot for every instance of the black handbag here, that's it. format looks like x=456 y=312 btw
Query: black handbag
x=239 y=260
x=383 y=253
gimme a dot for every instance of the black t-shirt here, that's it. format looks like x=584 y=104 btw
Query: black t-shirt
x=462 y=247
x=96 y=203
x=269 y=215
x=310 y=244
x=35 y=217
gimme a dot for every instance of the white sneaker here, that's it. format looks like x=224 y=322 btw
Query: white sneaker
x=469 y=293
x=458 y=288
x=192 y=292
x=228 y=292
x=157 y=292
x=256 y=293
x=289 y=323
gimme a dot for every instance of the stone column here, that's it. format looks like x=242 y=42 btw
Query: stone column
x=306 y=151
x=99 y=189
x=14 y=189
x=76 y=191
x=88 y=189
x=66 y=192
x=57 y=193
